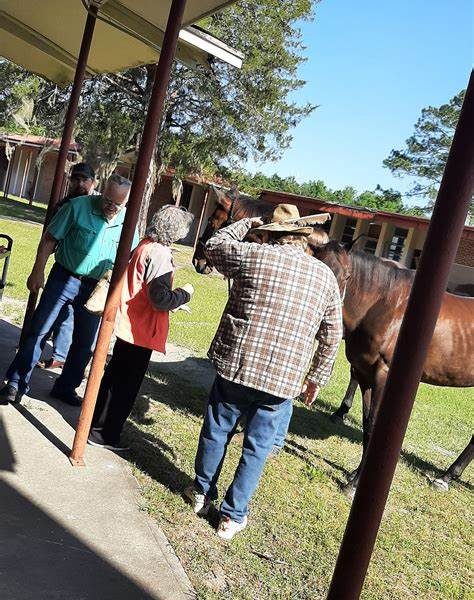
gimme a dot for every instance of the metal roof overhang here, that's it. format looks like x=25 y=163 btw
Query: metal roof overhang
x=45 y=37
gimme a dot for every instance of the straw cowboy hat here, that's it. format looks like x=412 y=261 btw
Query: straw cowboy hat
x=286 y=218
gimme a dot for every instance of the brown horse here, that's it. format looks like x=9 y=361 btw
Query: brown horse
x=233 y=208
x=230 y=208
x=339 y=415
x=359 y=286
x=376 y=296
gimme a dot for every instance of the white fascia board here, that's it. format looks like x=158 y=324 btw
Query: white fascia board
x=205 y=43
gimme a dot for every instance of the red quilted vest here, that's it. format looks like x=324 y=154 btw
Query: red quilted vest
x=140 y=323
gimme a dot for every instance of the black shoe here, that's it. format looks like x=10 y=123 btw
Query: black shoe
x=70 y=398
x=10 y=395
x=115 y=447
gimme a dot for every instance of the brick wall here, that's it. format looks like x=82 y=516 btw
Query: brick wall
x=161 y=196
x=465 y=255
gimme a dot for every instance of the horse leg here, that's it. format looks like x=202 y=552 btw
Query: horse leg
x=351 y=485
x=339 y=415
x=456 y=469
x=370 y=403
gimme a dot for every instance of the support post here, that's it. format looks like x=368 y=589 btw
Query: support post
x=451 y=208
x=37 y=177
x=25 y=174
x=201 y=217
x=9 y=174
x=65 y=143
x=147 y=145
x=20 y=156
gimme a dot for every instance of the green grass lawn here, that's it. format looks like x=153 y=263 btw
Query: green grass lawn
x=424 y=549
x=297 y=519
x=19 y=208
x=23 y=223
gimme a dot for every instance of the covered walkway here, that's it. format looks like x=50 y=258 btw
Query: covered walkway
x=68 y=533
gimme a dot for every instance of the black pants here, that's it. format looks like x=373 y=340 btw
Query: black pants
x=120 y=385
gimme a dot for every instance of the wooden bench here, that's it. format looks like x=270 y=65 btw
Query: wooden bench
x=5 y=252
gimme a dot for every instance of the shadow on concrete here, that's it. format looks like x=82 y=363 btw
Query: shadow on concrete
x=7 y=458
x=41 y=560
x=49 y=435
x=41 y=383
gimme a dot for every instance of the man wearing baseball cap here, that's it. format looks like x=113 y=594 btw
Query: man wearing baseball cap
x=82 y=182
x=84 y=235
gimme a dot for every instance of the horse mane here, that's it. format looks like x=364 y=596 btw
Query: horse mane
x=372 y=272
x=245 y=207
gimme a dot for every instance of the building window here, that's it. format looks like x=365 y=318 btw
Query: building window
x=348 y=233
x=395 y=249
x=370 y=246
x=186 y=195
x=372 y=238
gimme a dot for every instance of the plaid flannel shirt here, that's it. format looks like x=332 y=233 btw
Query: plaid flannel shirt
x=283 y=303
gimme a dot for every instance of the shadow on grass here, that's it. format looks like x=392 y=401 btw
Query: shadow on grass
x=13 y=208
x=155 y=458
x=171 y=385
x=308 y=457
x=426 y=468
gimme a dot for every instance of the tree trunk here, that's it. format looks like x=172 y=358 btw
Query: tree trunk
x=154 y=176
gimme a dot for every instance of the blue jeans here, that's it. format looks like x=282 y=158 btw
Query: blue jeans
x=62 y=333
x=61 y=289
x=283 y=426
x=229 y=401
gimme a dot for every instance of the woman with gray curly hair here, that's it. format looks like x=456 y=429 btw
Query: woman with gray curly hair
x=147 y=298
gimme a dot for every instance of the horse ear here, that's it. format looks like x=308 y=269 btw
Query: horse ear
x=354 y=245
x=222 y=198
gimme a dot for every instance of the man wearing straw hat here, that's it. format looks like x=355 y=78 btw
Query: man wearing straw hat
x=282 y=303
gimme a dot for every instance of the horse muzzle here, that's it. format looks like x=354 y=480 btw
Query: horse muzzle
x=202 y=266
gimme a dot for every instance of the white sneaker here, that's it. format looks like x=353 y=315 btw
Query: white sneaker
x=200 y=502
x=228 y=528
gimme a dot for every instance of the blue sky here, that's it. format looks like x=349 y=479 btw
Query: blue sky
x=372 y=66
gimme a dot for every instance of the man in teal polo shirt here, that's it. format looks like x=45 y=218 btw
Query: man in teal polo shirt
x=84 y=235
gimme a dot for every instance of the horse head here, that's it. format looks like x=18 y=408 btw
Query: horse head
x=221 y=216
x=336 y=257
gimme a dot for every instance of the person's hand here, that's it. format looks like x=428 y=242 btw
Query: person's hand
x=187 y=287
x=256 y=222
x=184 y=307
x=35 y=281
x=310 y=392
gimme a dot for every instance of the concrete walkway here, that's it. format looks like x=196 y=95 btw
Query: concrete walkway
x=72 y=533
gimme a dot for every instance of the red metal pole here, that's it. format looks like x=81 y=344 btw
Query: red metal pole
x=65 y=143
x=147 y=145
x=416 y=331
x=72 y=111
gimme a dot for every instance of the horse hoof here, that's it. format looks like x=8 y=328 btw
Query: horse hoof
x=336 y=418
x=349 y=491
x=440 y=484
